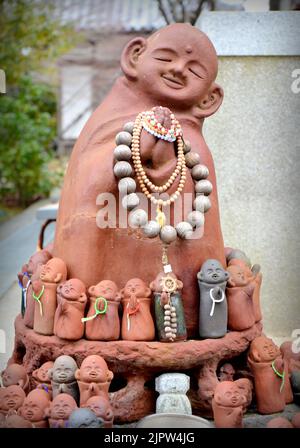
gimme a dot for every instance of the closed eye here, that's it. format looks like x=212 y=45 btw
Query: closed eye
x=163 y=59
x=195 y=73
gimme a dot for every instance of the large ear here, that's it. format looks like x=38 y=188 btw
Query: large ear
x=210 y=103
x=35 y=374
x=231 y=282
x=77 y=374
x=58 y=277
x=179 y=285
x=148 y=292
x=152 y=286
x=110 y=375
x=21 y=383
x=130 y=56
x=91 y=290
x=255 y=354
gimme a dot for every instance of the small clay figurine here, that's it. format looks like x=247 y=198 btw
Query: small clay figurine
x=93 y=378
x=239 y=293
x=33 y=269
x=15 y=374
x=60 y=410
x=70 y=310
x=100 y=405
x=290 y=356
x=169 y=313
x=11 y=399
x=44 y=293
x=227 y=405
x=212 y=280
x=102 y=321
x=16 y=421
x=172 y=388
x=137 y=322
x=279 y=422
x=226 y=372
x=84 y=418
x=41 y=377
x=246 y=387
x=62 y=377
x=34 y=408
x=269 y=379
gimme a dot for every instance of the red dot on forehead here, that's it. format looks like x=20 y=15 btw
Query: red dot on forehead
x=188 y=49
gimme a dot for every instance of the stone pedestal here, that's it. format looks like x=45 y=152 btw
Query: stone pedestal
x=137 y=364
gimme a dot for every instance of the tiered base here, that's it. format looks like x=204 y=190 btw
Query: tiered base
x=136 y=364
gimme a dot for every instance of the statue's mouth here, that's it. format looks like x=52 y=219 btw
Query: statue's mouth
x=172 y=82
x=11 y=403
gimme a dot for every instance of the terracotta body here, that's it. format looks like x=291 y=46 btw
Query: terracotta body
x=270 y=395
x=137 y=323
x=161 y=297
x=34 y=408
x=62 y=377
x=239 y=293
x=70 y=310
x=41 y=377
x=100 y=405
x=33 y=267
x=53 y=273
x=227 y=405
x=11 y=399
x=87 y=249
x=212 y=281
x=106 y=325
x=15 y=374
x=93 y=378
x=60 y=410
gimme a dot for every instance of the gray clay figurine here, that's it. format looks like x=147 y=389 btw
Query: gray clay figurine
x=212 y=280
x=84 y=418
x=62 y=377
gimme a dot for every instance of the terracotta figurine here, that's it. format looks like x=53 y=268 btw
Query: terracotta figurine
x=15 y=421
x=62 y=377
x=227 y=405
x=212 y=280
x=102 y=322
x=34 y=408
x=70 y=310
x=239 y=293
x=53 y=273
x=15 y=374
x=93 y=378
x=100 y=405
x=268 y=369
x=60 y=410
x=84 y=418
x=163 y=70
x=41 y=377
x=279 y=422
x=137 y=322
x=169 y=313
x=11 y=399
x=226 y=373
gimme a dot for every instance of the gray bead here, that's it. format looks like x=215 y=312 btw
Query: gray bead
x=123 y=169
x=184 y=230
x=123 y=138
x=203 y=186
x=151 y=229
x=192 y=159
x=130 y=201
x=128 y=127
x=196 y=218
x=137 y=218
x=168 y=234
x=122 y=152
x=127 y=185
x=202 y=203
x=200 y=172
x=187 y=146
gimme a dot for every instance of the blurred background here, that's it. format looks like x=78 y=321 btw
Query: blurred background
x=60 y=59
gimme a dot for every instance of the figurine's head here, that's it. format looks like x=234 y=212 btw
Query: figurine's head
x=106 y=289
x=35 y=405
x=15 y=374
x=16 y=421
x=136 y=287
x=100 y=405
x=63 y=370
x=94 y=370
x=228 y=394
x=72 y=289
x=61 y=407
x=279 y=422
x=237 y=276
x=245 y=386
x=163 y=281
x=54 y=271
x=38 y=259
x=176 y=67
x=263 y=349
x=226 y=372
x=11 y=398
x=41 y=374
x=236 y=254
x=212 y=272
x=84 y=418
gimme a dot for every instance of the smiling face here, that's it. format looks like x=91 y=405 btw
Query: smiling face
x=62 y=407
x=101 y=407
x=136 y=287
x=263 y=349
x=238 y=276
x=228 y=394
x=106 y=289
x=64 y=369
x=213 y=272
x=178 y=65
x=14 y=374
x=72 y=289
x=41 y=374
x=54 y=271
x=93 y=369
x=12 y=398
x=34 y=405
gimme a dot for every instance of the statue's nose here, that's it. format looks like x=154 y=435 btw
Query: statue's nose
x=177 y=69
